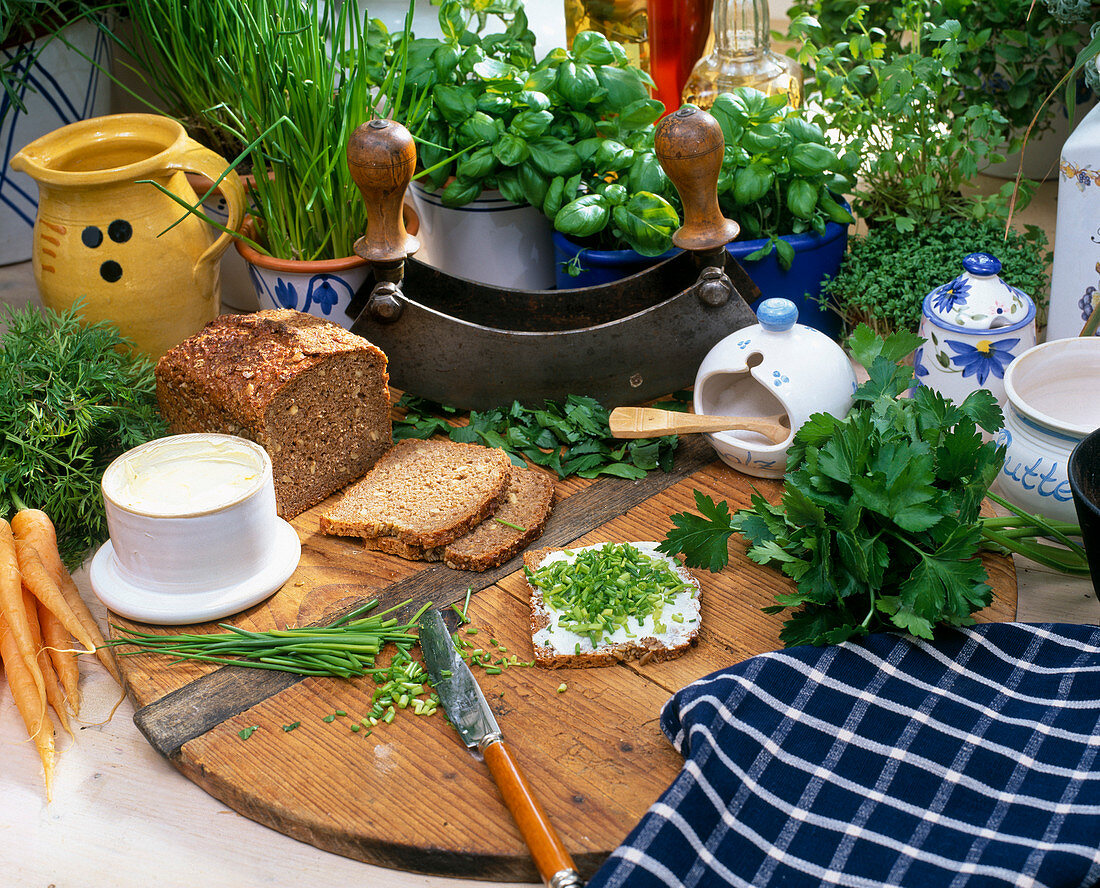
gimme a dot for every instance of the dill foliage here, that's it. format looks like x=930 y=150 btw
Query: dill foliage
x=72 y=398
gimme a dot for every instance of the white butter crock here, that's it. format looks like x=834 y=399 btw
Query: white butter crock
x=1051 y=405
x=774 y=367
x=194 y=534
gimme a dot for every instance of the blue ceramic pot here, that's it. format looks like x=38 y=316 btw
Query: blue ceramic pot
x=597 y=266
x=817 y=257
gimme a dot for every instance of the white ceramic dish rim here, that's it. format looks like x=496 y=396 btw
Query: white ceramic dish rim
x=1023 y=407
x=128 y=599
x=251 y=490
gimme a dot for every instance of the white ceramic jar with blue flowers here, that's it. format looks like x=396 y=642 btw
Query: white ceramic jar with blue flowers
x=972 y=328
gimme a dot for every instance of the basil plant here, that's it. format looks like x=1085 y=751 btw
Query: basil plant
x=571 y=134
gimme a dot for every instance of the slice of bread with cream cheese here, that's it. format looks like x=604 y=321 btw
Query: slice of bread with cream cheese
x=599 y=605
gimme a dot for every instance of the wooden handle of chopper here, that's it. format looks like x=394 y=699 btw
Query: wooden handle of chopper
x=382 y=158
x=689 y=145
x=542 y=840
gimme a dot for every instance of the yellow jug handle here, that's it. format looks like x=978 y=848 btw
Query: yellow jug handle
x=196 y=158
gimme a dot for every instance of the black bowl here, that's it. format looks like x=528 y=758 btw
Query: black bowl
x=1084 y=481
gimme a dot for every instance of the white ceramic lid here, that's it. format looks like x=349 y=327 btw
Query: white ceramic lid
x=979 y=299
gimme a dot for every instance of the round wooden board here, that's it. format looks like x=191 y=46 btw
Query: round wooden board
x=411 y=796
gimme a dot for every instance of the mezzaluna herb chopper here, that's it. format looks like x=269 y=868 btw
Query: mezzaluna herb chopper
x=476 y=346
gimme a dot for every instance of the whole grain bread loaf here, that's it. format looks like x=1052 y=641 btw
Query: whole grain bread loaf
x=423 y=493
x=312 y=394
x=519 y=522
x=557 y=648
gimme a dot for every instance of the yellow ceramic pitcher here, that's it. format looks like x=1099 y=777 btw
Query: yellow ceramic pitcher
x=104 y=235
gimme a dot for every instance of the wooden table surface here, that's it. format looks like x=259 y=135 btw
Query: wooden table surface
x=123 y=817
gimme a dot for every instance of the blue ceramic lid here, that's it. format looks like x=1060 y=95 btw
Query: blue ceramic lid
x=777 y=315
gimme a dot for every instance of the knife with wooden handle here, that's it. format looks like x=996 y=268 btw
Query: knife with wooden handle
x=469 y=712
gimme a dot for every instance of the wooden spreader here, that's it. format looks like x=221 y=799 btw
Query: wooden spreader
x=476 y=346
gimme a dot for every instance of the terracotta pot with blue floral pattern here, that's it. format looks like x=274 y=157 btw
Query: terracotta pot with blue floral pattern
x=973 y=327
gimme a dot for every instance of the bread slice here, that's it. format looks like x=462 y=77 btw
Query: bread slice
x=527 y=505
x=423 y=493
x=557 y=647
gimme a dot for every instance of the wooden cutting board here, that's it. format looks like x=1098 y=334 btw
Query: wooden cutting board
x=410 y=796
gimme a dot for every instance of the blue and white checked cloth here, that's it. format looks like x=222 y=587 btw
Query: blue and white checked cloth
x=971 y=761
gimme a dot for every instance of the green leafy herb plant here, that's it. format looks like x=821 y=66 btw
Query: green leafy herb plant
x=921 y=135
x=286 y=84
x=1015 y=52
x=570 y=133
x=879 y=522
x=781 y=173
x=72 y=398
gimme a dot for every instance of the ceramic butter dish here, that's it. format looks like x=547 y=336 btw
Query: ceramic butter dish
x=774 y=367
x=194 y=532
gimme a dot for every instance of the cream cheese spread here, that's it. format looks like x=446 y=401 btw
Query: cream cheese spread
x=185 y=474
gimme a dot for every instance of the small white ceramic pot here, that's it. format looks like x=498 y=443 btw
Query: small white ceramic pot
x=774 y=367
x=972 y=329
x=1051 y=406
x=489 y=240
x=194 y=534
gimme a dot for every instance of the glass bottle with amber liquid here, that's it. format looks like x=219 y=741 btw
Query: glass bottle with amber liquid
x=624 y=21
x=742 y=56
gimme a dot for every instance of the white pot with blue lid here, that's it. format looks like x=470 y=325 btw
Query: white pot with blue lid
x=775 y=367
x=973 y=327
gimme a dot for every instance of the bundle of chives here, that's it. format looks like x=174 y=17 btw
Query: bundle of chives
x=345 y=648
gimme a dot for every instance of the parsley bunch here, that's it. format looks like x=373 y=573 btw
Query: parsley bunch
x=72 y=398
x=572 y=438
x=878 y=525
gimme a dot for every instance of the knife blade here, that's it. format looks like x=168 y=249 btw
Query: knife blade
x=467 y=709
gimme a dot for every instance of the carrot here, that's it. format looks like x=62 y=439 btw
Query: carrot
x=25 y=693
x=13 y=611
x=59 y=644
x=54 y=695
x=38 y=582
x=35 y=526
